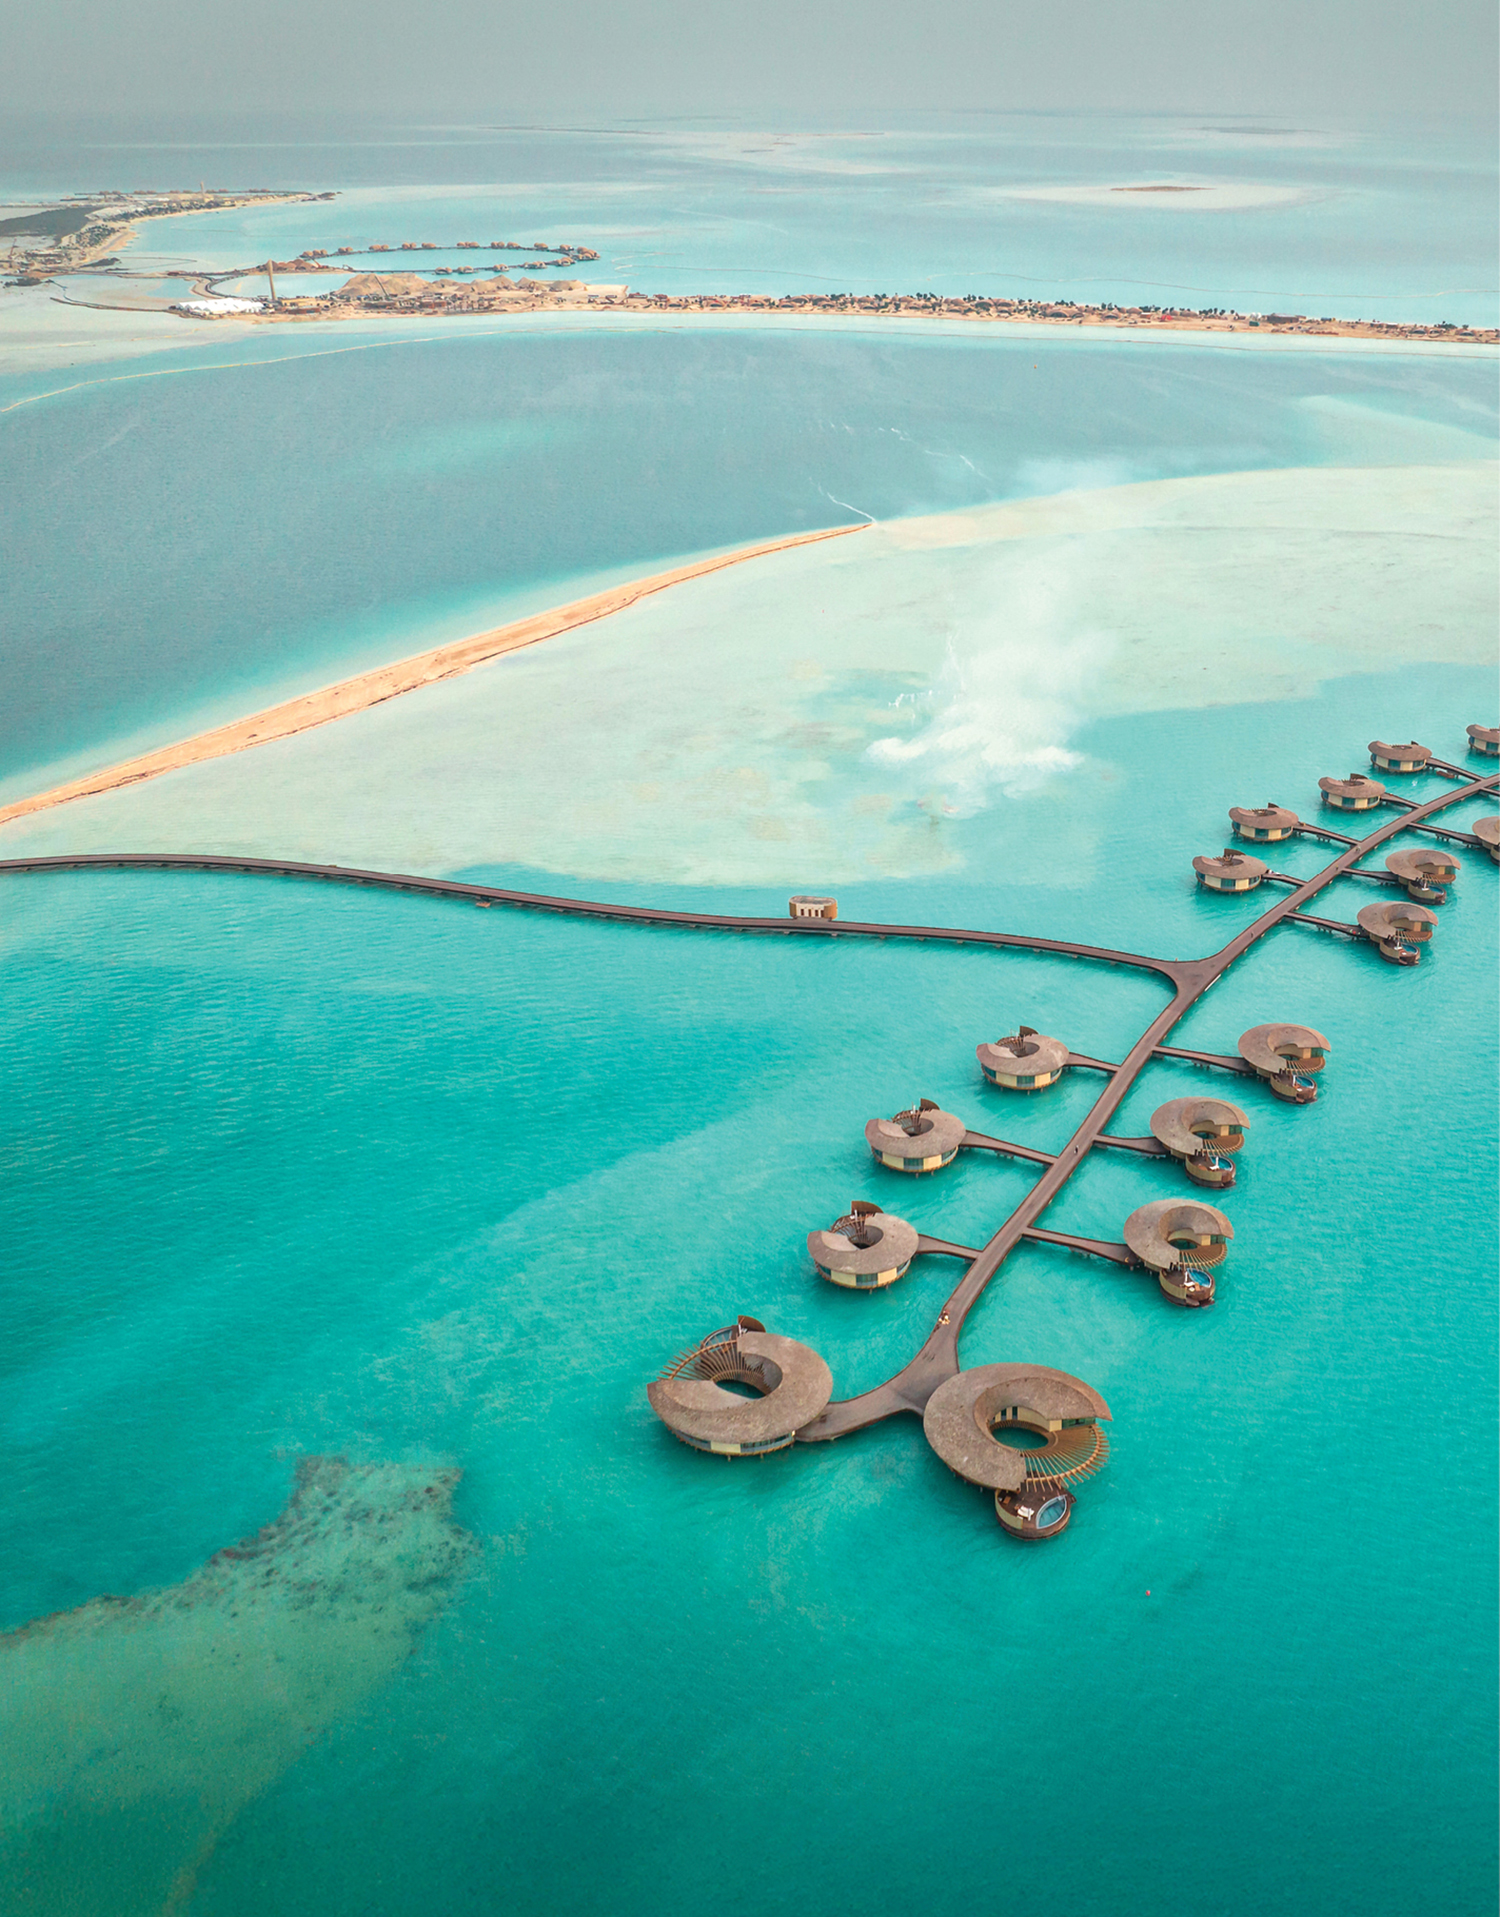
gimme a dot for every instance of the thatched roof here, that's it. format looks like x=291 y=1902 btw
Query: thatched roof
x=1172 y=1124
x=959 y=1414
x=1355 y=786
x=1270 y=818
x=801 y=1385
x=1148 y=1230
x=1266 y=1047
x=1026 y=1055
x=942 y=1133
x=895 y=1245
x=1230 y=864
x=1397 y=920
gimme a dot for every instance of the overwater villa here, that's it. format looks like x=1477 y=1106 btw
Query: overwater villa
x=1399 y=758
x=1024 y=1062
x=1200 y=1133
x=1397 y=929
x=923 y=1139
x=968 y=1419
x=1263 y=822
x=1181 y=1241
x=865 y=1250
x=1424 y=873
x=1354 y=794
x=1487 y=831
x=1231 y=871
x=1485 y=739
x=791 y=1382
x=1286 y=1056
x=808 y=905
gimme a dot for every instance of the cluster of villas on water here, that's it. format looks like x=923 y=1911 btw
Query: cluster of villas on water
x=1025 y=1432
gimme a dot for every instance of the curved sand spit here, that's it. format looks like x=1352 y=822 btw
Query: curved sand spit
x=389 y=682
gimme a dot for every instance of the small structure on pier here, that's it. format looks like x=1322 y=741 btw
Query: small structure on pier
x=1424 y=873
x=1354 y=794
x=864 y=1250
x=923 y=1139
x=1200 y=1133
x=1487 y=831
x=1399 y=758
x=1024 y=1062
x=1231 y=871
x=1266 y=822
x=1485 y=739
x=1286 y=1056
x=1397 y=929
x=690 y=1399
x=1181 y=1241
x=965 y=1416
x=808 y=905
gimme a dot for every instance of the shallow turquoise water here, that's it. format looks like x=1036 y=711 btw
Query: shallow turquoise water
x=292 y=1169
x=189 y=548
x=1394 y=219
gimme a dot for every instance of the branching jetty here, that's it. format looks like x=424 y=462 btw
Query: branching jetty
x=1024 y=1432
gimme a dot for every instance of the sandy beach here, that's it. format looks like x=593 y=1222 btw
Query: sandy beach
x=389 y=682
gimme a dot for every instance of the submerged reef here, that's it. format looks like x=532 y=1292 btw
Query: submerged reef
x=133 y=1730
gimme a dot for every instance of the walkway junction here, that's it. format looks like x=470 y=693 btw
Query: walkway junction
x=968 y=1414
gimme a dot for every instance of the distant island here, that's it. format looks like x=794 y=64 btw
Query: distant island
x=82 y=235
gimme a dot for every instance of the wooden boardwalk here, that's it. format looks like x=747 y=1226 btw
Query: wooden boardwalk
x=910 y=1388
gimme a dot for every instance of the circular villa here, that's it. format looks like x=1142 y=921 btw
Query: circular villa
x=1181 y=1241
x=1200 y=1133
x=1025 y=1062
x=1397 y=929
x=1399 y=758
x=1286 y=1056
x=792 y=1382
x=1485 y=739
x=1231 y=871
x=864 y=1250
x=1424 y=873
x=1487 y=831
x=921 y=1140
x=1265 y=822
x=1354 y=794
x=1050 y=1419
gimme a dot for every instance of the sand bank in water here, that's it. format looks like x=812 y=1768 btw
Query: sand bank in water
x=389 y=682
x=133 y=1730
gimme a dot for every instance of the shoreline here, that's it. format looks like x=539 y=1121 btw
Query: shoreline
x=366 y=689
x=444 y=300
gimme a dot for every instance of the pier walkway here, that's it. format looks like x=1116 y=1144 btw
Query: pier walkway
x=937 y=1360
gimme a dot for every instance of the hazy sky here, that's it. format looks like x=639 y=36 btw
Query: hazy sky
x=1301 y=57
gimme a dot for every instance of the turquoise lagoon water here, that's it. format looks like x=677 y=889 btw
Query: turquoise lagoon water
x=295 y=1170
x=186 y=548
x=291 y=1171
x=1395 y=219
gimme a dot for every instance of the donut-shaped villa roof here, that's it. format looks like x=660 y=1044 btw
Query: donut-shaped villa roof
x=1270 y=818
x=958 y=1416
x=1147 y=1230
x=941 y=1133
x=1230 y=864
x=1356 y=786
x=1420 y=753
x=695 y=1407
x=1487 y=830
x=1395 y=919
x=1272 y=1048
x=1172 y=1125
x=895 y=1243
x=1484 y=735
x=1421 y=863
x=1025 y=1053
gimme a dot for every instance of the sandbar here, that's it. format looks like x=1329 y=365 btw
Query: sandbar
x=390 y=681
